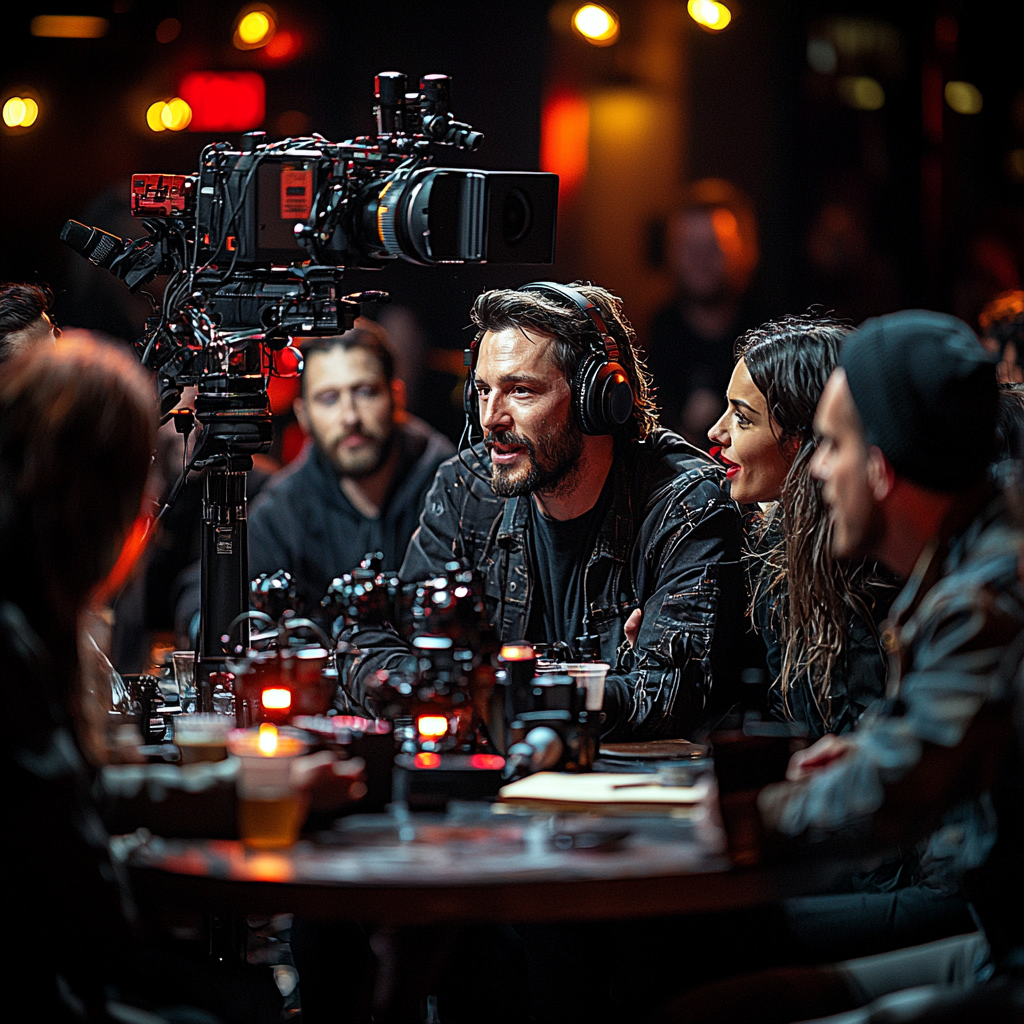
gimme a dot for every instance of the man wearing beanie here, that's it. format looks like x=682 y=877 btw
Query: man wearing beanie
x=906 y=427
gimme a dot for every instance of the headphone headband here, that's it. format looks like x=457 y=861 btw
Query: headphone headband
x=602 y=396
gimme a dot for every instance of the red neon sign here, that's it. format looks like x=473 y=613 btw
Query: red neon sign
x=224 y=101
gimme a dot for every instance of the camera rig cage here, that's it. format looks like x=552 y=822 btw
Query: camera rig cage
x=254 y=245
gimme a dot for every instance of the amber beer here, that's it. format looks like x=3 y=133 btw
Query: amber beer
x=270 y=823
x=270 y=811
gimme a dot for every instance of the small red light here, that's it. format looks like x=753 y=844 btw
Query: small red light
x=427 y=760
x=494 y=762
x=277 y=698
x=432 y=726
x=517 y=652
x=224 y=101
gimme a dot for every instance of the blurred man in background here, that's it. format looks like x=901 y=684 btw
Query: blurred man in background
x=712 y=250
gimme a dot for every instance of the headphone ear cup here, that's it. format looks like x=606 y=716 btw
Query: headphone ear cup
x=602 y=396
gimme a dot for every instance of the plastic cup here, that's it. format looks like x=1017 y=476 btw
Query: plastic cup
x=270 y=810
x=185 y=676
x=589 y=676
x=202 y=737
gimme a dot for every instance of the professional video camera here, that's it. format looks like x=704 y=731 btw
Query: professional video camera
x=254 y=245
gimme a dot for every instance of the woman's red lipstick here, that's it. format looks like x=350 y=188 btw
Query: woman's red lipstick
x=731 y=468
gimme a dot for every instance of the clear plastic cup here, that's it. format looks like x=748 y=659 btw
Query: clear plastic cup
x=202 y=737
x=589 y=676
x=185 y=676
x=270 y=810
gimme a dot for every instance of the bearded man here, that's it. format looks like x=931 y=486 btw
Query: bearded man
x=360 y=485
x=584 y=518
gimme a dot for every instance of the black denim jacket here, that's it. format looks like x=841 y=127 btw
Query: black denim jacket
x=670 y=545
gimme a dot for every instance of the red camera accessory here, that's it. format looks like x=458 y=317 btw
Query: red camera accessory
x=162 y=195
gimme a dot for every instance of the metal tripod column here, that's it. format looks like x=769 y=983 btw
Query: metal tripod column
x=225 y=576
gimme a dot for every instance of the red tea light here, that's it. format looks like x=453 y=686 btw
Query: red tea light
x=427 y=760
x=432 y=727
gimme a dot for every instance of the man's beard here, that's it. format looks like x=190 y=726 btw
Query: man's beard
x=357 y=464
x=559 y=471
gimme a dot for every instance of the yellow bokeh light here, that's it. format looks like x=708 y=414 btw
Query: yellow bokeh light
x=14 y=111
x=963 y=97
x=597 y=24
x=20 y=112
x=254 y=27
x=861 y=92
x=176 y=114
x=155 y=116
x=709 y=14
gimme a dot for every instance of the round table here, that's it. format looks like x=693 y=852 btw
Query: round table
x=472 y=864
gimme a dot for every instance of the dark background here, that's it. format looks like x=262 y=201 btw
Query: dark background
x=859 y=211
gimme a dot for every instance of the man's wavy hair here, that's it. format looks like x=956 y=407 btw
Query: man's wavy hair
x=811 y=595
x=572 y=331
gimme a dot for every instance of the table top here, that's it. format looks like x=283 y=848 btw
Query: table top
x=473 y=864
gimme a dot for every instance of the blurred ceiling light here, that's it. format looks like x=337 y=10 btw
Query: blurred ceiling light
x=176 y=115
x=67 y=26
x=169 y=115
x=597 y=24
x=709 y=14
x=963 y=97
x=821 y=55
x=20 y=112
x=168 y=30
x=861 y=92
x=255 y=27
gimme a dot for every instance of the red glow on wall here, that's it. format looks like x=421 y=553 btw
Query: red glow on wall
x=285 y=46
x=565 y=139
x=224 y=101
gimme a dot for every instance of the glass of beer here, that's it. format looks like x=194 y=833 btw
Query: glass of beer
x=270 y=810
x=202 y=737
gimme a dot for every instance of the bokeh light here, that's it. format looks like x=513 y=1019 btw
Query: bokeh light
x=168 y=30
x=709 y=14
x=66 y=26
x=861 y=92
x=169 y=115
x=20 y=112
x=963 y=97
x=597 y=24
x=255 y=27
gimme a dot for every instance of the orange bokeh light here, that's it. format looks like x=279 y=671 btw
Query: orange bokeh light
x=565 y=139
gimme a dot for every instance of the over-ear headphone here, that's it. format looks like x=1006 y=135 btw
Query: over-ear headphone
x=602 y=397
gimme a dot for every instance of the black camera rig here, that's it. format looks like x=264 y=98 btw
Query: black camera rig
x=254 y=245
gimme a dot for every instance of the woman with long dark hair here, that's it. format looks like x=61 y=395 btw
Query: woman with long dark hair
x=818 y=616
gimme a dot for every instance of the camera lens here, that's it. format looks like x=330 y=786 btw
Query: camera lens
x=516 y=216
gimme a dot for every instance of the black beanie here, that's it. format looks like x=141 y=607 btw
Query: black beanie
x=926 y=393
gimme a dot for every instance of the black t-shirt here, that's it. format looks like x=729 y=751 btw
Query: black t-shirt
x=559 y=552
